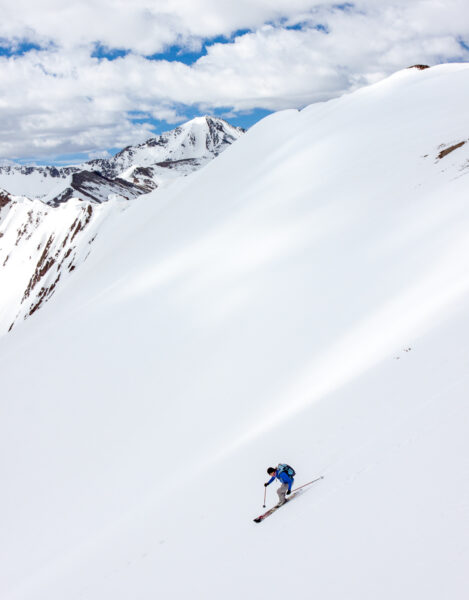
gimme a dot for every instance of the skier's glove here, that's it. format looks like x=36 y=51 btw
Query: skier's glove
x=289 y=492
x=266 y=484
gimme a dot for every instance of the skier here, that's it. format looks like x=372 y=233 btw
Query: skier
x=284 y=474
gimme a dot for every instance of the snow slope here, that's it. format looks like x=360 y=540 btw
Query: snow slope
x=303 y=299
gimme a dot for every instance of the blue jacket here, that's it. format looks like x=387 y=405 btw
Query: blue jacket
x=283 y=477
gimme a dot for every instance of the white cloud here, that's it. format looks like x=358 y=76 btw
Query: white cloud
x=98 y=154
x=63 y=100
x=144 y=26
x=170 y=115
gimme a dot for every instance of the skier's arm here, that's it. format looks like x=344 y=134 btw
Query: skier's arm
x=270 y=481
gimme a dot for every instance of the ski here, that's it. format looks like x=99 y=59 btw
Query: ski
x=294 y=494
x=276 y=507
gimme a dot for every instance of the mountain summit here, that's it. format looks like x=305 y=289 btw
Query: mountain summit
x=194 y=142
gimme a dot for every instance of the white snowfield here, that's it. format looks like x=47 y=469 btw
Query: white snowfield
x=304 y=298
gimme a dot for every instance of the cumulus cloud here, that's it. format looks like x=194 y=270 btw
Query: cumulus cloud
x=63 y=98
x=99 y=154
x=144 y=26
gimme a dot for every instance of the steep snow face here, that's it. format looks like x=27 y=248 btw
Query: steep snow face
x=315 y=313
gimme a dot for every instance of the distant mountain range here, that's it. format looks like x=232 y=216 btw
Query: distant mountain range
x=133 y=171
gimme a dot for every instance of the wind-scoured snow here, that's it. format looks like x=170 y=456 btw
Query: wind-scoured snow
x=303 y=299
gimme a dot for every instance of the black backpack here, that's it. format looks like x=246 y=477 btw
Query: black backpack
x=286 y=469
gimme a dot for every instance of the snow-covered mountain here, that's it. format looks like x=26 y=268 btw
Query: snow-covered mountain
x=192 y=144
x=315 y=313
x=143 y=167
x=38 y=246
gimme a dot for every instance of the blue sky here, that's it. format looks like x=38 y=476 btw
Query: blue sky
x=127 y=71
x=16 y=49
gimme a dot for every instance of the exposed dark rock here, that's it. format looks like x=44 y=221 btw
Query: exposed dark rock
x=81 y=224
x=91 y=185
x=44 y=264
x=43 y=295
x=5 y=198
x=171 y=164
x=446 y=151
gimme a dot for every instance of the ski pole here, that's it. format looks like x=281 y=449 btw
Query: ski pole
x=265 y=492
x=309 y=483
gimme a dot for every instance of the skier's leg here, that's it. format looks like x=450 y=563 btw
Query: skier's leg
x=282 y=490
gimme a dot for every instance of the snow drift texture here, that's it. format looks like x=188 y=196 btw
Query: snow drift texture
x=301 y=299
